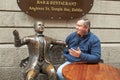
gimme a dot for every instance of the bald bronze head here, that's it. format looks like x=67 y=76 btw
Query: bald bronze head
x=39 y=27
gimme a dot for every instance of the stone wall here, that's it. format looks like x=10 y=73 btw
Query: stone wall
x=105 y=22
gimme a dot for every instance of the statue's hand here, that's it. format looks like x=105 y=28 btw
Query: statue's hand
x=15 y=33
x=23 y=63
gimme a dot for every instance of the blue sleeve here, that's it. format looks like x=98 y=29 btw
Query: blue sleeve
x=67 y=42
x=68 y=38
x=95 y=53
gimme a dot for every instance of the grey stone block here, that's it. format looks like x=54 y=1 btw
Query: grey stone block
x=9 y=73
x=11 y=56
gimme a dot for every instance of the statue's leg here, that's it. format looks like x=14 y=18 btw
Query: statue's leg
x=49 y=69
x=32 y=73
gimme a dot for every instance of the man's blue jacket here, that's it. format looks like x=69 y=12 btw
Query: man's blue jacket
x=90 y=48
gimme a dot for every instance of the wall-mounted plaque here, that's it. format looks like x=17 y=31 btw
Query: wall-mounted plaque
x=55 y=9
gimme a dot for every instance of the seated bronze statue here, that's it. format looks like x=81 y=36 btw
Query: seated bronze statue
x=38 y=45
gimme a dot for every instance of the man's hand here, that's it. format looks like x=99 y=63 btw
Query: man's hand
x=75 y=53
x=15 y=33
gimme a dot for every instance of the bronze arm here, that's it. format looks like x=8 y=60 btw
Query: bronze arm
x=59 y=42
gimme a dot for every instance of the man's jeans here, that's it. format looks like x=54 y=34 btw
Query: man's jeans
x=59 y=71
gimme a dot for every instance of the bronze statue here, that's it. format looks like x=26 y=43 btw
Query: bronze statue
x=38 y=45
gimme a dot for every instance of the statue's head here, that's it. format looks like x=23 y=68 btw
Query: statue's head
x=39 y=27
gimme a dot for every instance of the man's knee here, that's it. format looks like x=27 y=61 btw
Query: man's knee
x=59 y=70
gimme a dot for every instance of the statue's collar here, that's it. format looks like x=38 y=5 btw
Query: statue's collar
x=38 y=34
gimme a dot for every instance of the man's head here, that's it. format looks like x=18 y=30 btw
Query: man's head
x=39 y=27
x=83 y=26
